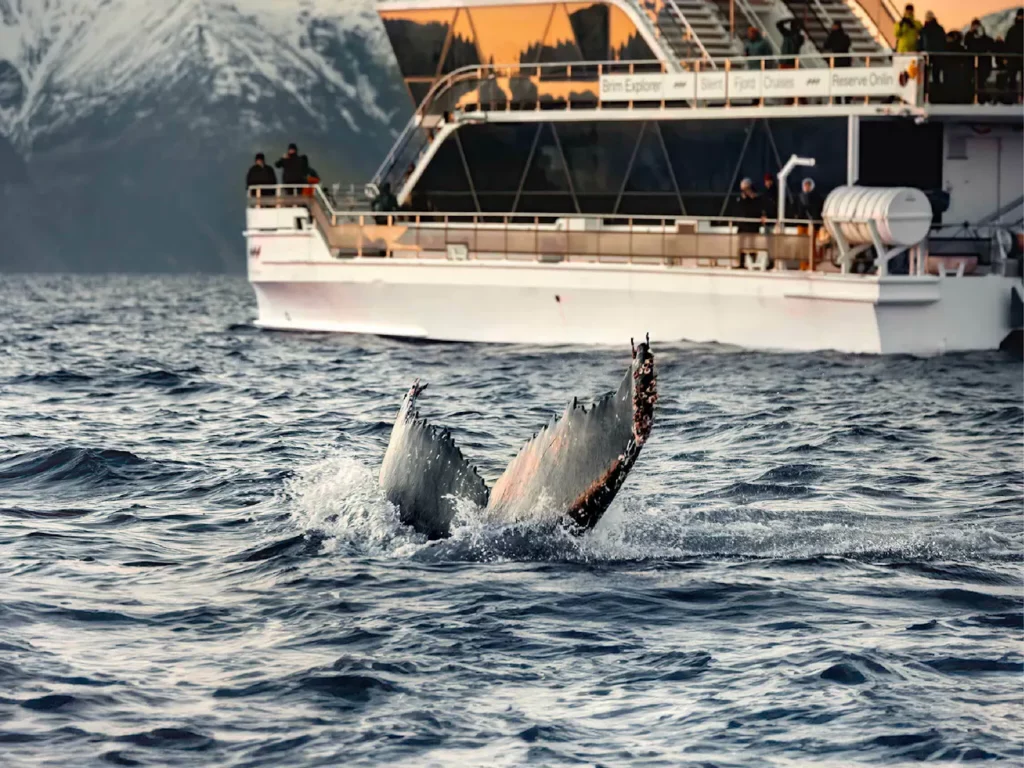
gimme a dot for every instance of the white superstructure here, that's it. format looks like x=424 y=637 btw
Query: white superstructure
x=876 y=276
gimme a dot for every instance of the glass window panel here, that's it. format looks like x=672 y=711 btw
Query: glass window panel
x=598 y=155
x=704 y=153
x=495 y=202
x=650 y=171
x=445 y=172
x=560 y=40
x=650 y=204
x=417 y=38
x=551 y=202
x=547 y=170
x=418 y=90
x=590 y=23
x=510 y=34
x=496 y=154
x=462 y=47
x=625 y=42
x=450 y=202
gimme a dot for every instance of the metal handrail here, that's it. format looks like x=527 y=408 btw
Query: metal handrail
x=398 y=146
x=318 y=193
x=824 y=13
x=674 y=7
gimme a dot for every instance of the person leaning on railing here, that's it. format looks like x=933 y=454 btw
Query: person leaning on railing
x=932 y=41
x=260 y=175
x=957 y=70
x=977 y=42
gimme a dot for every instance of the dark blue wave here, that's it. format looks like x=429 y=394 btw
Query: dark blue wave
x=817 y=559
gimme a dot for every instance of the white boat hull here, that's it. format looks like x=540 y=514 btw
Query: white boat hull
x=299 y=286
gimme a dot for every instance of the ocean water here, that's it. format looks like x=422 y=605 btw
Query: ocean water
x=816 y=560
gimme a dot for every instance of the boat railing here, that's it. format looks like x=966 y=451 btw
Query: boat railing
x=699 y=241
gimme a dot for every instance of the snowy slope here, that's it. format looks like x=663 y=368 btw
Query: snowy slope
x=135 y=120
x=60 y=59
x=996 y=24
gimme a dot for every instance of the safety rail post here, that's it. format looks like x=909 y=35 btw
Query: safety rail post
x=974 y=77
x=629 y=242
x=810 y=257
x=419 y=248
x=359 y=240
x=867 y=65
x=760 y=101
x=504 y=220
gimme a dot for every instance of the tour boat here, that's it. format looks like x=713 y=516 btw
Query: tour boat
x=570 y=173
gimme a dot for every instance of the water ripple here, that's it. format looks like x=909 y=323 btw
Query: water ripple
x=812 y=563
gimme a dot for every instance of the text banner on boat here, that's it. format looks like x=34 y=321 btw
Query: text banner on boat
x=899 y=79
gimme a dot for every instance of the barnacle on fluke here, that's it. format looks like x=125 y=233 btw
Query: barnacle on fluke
x=571 y=469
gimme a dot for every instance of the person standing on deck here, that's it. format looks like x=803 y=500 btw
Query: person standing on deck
x=261 y=175
x=294 y=168
x=932 y=41
x=770 y=197
x=978 y=42
x=957 y=70
x=838 y=44
x=908 y=29
x=749 y=206
x=809 y=204
x=1014 y=42
x=756 y=47
x=792 y=41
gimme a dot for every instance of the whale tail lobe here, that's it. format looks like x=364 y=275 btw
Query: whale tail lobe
x=571 y=469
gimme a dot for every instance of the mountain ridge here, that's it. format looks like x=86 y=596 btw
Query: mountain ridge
x=133 y=124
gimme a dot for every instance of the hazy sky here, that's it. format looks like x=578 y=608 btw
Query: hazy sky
x=957 y=13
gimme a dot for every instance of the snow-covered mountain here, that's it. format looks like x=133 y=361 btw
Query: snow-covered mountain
x=997 y=23
x=126 y=126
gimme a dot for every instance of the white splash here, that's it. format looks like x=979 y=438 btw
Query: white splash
x=339 y=497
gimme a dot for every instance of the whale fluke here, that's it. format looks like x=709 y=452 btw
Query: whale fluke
x=575 y=466
x=570 y=470
x=424 y=473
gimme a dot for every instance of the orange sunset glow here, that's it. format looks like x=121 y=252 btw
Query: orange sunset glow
x=957 y=13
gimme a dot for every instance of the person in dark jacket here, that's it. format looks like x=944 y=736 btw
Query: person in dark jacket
x=838 y=44
x=932 y=41
x=1015 y=50
x=1014 y=41
x=957 y=69
x=749 y=205
x=792 y=40
x=976 y=41
x=385 y=202
x=260 y=175
x=770 y=197
x=809 y=203
x=294 y=168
